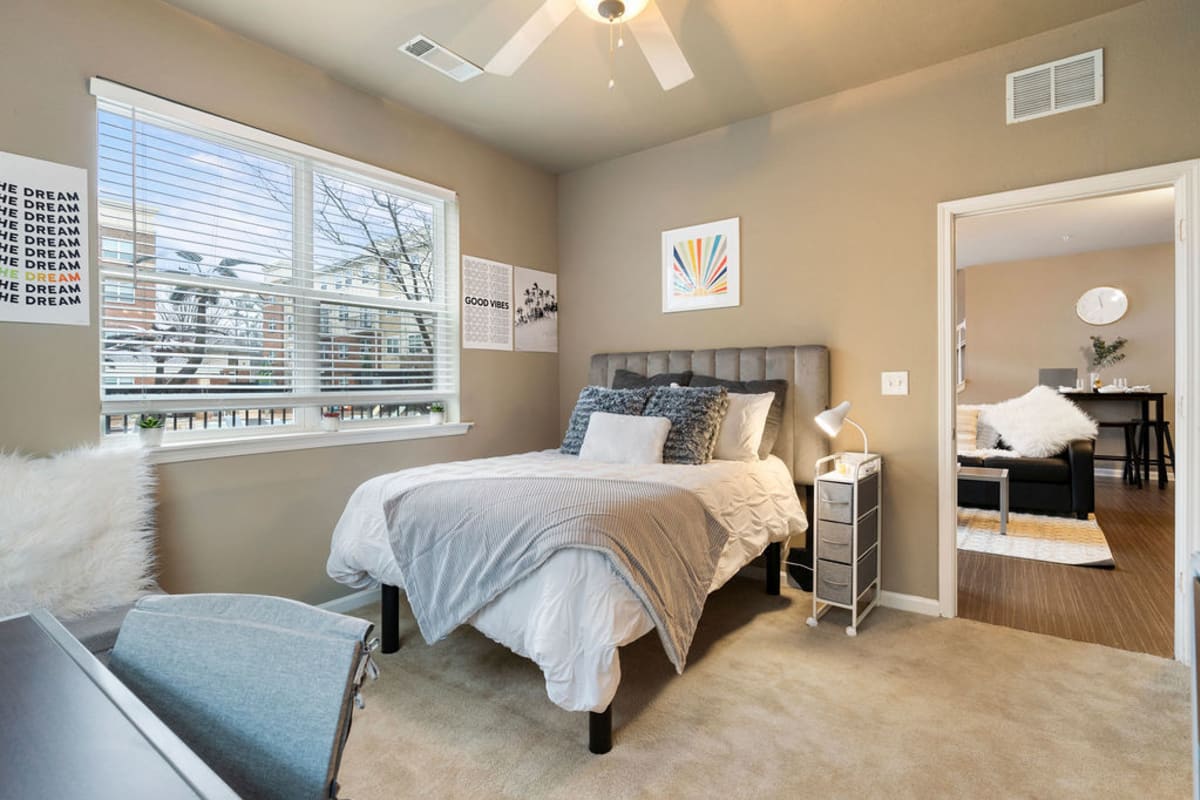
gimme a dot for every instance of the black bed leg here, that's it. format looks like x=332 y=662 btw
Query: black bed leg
x=774 y=562
x=600 y=731
x=389 y=617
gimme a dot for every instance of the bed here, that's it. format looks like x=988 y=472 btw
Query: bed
x=573 y=612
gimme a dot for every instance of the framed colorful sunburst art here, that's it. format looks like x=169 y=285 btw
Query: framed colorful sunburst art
x=702 y=266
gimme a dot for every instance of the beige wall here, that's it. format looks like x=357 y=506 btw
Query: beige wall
x=837 y=199
x=1021 y=316
x=257 y=523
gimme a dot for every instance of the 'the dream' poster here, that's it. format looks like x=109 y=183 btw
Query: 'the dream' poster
x=43 y=242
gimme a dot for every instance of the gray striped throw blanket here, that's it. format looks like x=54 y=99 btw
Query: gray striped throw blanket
x=461 y=543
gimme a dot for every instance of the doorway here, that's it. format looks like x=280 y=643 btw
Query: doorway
x=1183 y=181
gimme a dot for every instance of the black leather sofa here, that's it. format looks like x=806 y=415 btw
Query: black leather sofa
x=1062 y=484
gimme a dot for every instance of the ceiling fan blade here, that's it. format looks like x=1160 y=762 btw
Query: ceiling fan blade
x=662 y=51
x=520 y=47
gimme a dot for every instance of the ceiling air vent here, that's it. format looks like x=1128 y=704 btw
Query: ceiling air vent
x=1063 y=85
x=432 y=54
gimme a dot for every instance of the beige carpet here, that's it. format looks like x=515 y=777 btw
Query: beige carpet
x=1062 y=540
x=913 y=707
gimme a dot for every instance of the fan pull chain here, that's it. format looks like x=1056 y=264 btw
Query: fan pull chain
x=611 y=57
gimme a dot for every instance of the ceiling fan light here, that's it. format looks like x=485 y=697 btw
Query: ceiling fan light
x=591 y=9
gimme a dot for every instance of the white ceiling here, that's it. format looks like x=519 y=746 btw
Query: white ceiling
x=749 y=56
x=1081 y=226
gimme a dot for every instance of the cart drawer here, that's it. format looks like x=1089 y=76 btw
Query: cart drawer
x=833 y=579
x=835 y=500
x=834 y=538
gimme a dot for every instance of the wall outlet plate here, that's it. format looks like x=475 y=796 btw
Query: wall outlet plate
x=895 y=383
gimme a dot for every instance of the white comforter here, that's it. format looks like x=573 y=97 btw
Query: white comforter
x=572 y=613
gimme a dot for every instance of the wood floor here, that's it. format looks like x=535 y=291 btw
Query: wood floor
x=1130 y=607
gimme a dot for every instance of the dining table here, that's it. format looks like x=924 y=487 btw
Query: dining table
x=1145 y=400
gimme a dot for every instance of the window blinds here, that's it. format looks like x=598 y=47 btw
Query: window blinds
x=243 y=274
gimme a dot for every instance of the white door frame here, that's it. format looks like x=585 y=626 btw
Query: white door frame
x=1184 y=176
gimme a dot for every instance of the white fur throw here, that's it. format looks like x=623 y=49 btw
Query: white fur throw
x=76 y=530
x=1039 y=423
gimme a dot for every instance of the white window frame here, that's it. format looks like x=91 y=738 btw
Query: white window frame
x=307 y=433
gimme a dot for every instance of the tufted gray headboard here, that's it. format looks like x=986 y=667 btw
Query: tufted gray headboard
x=804 y=367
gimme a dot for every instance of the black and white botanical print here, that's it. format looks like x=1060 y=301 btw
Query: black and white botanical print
x=535 y=310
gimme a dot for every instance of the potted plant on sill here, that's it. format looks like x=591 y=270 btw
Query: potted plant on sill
x=331 y=418
x=150 y=429
x=437 y=412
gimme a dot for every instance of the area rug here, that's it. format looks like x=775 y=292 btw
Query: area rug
x=1063 y=540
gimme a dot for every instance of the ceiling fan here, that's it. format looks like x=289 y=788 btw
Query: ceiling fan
x=643 y=17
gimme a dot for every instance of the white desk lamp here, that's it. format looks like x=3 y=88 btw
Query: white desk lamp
x=831 y=421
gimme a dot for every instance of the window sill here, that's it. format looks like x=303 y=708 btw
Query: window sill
x=173 y=452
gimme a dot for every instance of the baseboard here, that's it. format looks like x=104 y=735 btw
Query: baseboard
x=910 y=602
x=350 y=602
x=896 y=600
x=1116 y=472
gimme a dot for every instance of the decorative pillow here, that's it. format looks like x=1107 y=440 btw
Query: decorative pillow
x=597 y=398
x=695 y=416
x=742 y=428
x=774 y=417
x=986 y=437
x=623 y=439
x=1039 y=423
x=76 y=533
x=627 y=379
x=967 y=425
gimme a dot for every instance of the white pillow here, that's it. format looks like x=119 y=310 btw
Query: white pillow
x=967 y=426
x=624 y=439
x=742 y=427
x=1039 y=423
x=75 y=530
x=986 y=436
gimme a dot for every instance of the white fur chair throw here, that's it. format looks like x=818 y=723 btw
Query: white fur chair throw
x=76 y=530
x=1039 y=423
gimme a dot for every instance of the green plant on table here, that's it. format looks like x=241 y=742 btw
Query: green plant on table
x=150 y=421
x=1106 y=354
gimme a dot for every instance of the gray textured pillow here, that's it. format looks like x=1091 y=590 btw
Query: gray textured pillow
x=774 y=418
x=627 y=379
x=597 y=398
x=695 y=416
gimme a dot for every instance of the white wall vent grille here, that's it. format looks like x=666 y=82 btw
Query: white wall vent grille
x=432 y=54
x=1063 y=85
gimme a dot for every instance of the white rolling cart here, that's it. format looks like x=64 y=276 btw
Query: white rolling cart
x=849 y=497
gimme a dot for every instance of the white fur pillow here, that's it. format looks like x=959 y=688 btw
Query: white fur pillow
x=75 y=530
x=624 y=439
x=1039 y=423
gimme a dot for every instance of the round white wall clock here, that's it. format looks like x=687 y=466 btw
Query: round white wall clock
x=1102 y=305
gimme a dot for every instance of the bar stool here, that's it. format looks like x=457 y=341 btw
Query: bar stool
x=1168 y=445
x=1131 y=472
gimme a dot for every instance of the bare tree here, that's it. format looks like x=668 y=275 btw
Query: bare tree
x=190 y=323
x=391 y=233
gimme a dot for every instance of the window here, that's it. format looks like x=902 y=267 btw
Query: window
x=119 y=292
x=238 y=230
x=120 y=250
